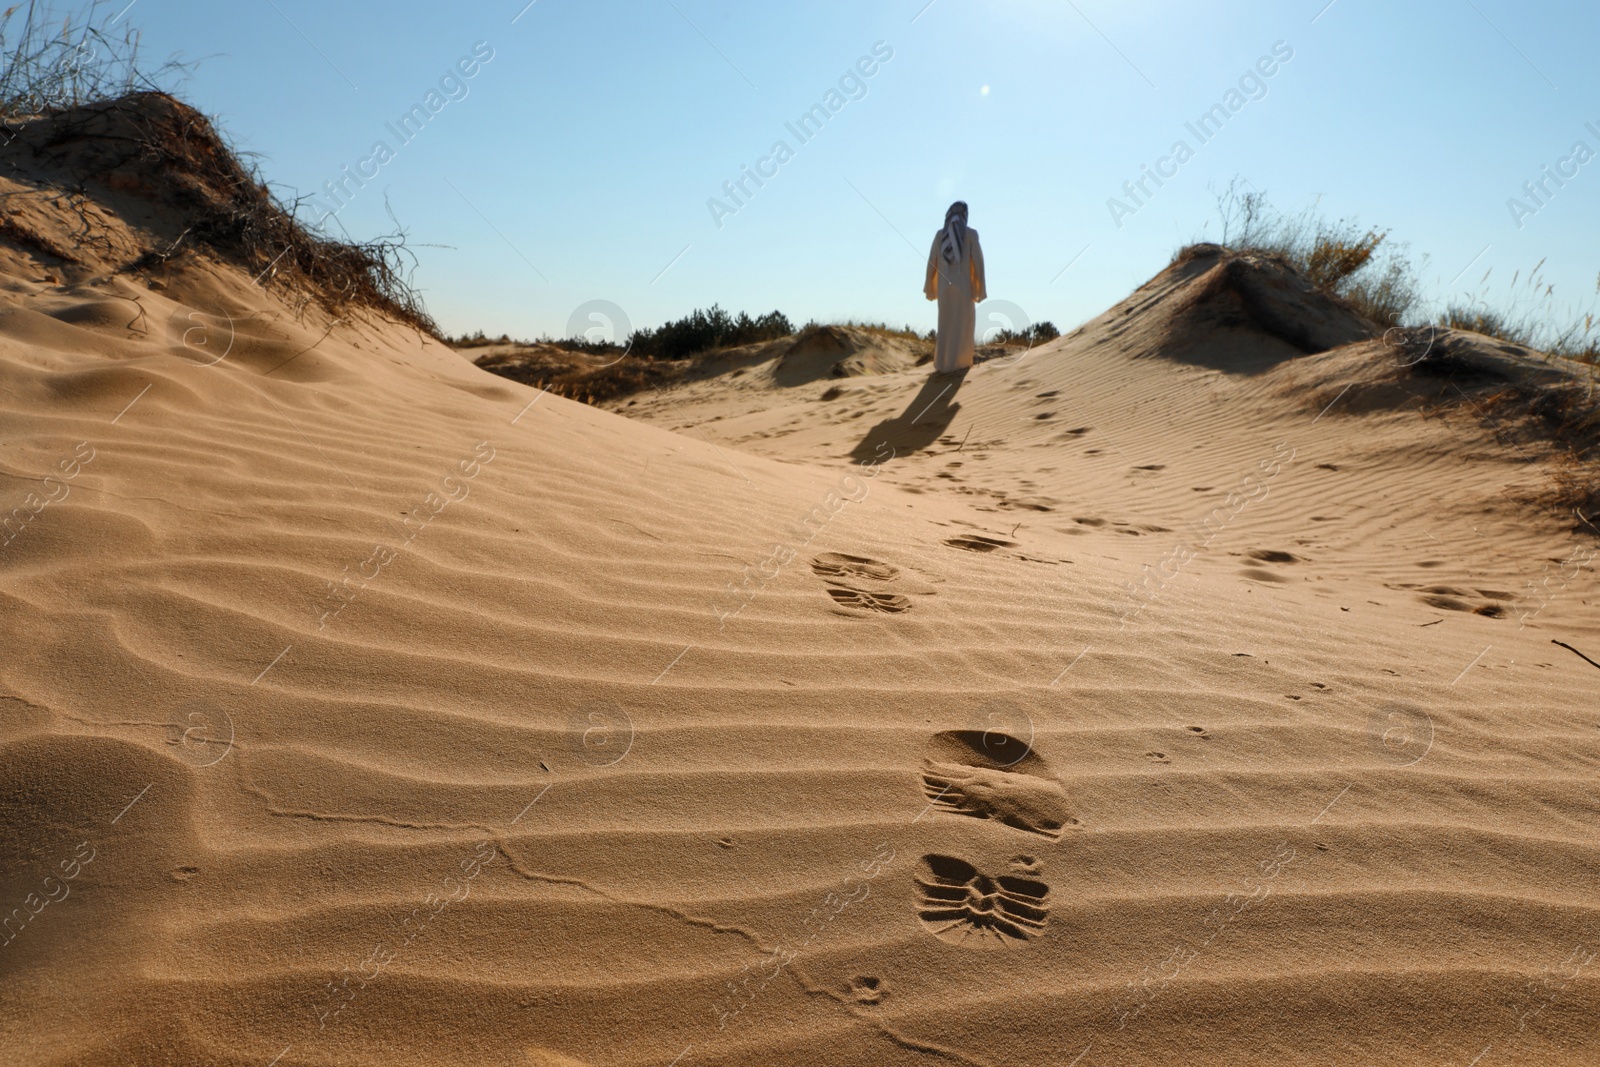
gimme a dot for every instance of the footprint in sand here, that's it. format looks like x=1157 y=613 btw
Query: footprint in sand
x=1449 y=598
x=840 y=565
x=962 y=905
x=867 y=989
x=985 y=774
x=1258 y=573
x=975 y=543
x=855 y=575
x=890 y=603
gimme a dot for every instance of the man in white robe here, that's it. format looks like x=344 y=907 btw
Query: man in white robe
x=955 y=279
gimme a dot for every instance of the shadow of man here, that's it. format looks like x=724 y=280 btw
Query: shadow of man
x=923 y=421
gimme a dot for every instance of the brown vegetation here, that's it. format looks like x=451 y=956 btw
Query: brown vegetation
x=83 y=122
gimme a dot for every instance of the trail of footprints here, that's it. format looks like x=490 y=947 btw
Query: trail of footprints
x=986 y=774
x=980 y=774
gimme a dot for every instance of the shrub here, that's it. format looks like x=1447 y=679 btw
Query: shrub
x=701 y=331
x=1037 y=334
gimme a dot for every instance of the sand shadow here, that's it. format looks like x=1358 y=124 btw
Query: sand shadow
x=923 y=421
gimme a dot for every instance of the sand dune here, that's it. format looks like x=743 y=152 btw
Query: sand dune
x=1180 y=691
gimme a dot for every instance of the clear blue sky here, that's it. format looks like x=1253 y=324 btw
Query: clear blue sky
x=579 y=163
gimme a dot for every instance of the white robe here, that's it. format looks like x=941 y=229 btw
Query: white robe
x=957 y=287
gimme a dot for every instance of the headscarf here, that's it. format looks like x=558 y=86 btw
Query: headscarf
x=955 y=232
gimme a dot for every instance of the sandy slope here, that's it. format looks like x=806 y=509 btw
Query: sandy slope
x=619 y=745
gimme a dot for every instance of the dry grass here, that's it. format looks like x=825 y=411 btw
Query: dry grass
x=1356 y=264
x=79 y=106
x=159 y=150
x=589 y=379
x=1530 y=315
x=54 y=61
x=1376 y=278
x=1536 y=417
x=904 y=333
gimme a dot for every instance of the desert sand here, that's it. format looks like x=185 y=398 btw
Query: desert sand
x=1180 y=691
